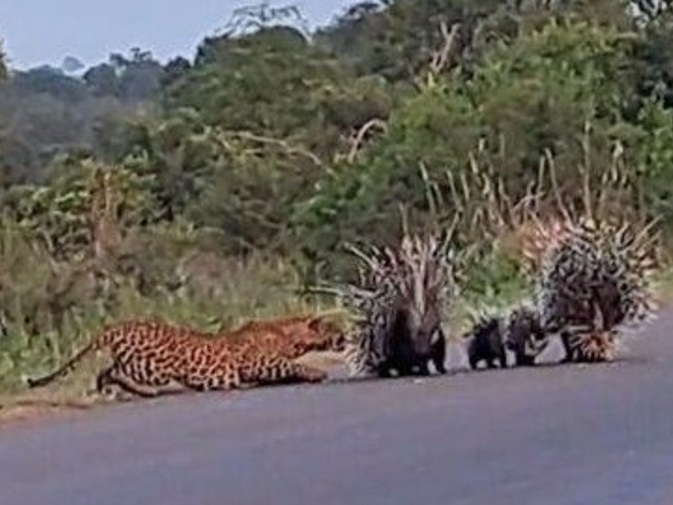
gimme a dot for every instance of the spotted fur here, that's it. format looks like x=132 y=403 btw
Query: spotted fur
x=292 y=336
x=151 y=358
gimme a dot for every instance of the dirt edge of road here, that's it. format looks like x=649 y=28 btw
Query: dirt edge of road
x=32 y=406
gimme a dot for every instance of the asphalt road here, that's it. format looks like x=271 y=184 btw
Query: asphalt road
x=600 y=434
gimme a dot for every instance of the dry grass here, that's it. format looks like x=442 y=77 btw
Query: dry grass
x=74 y=393
x=242 y=291
x=217 y=292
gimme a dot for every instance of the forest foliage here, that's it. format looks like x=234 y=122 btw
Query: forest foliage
x=209 y=187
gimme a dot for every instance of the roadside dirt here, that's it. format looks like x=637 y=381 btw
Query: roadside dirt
x=63 y=402
x=25 y=408
x=59 y=403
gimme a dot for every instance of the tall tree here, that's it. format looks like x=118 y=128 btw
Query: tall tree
x=3 y=63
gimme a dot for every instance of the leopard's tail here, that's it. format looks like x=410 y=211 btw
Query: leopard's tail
x=63 y=369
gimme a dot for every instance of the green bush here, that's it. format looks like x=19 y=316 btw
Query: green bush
x=214 y=195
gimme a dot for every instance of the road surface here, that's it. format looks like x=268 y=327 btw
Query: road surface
x=593 y=435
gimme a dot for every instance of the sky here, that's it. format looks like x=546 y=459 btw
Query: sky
x=38 y=32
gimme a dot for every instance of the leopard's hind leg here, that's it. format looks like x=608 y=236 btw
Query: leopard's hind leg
x=114 y=375
x=126 y=378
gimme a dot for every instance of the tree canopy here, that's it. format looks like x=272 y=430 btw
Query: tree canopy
x=270 y=138
x=3 y=64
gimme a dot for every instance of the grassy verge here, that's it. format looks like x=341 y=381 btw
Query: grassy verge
x=254 y=290
x=246 y=290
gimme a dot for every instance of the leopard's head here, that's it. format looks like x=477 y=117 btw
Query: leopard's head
x=316 y=333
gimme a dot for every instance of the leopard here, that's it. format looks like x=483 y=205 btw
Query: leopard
x=151 y=358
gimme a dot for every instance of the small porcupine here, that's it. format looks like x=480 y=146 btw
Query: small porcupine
x=593 y=279
x=525 y=335
x=517 y=330
x=485 y=342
